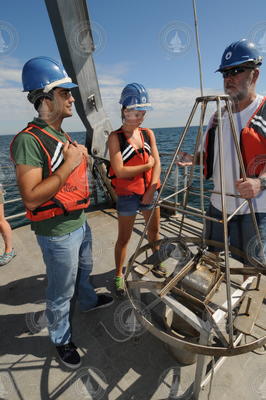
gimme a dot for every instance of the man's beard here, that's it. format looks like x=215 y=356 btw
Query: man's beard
x=235 y=97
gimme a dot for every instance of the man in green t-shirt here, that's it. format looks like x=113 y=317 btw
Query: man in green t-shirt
x=52 y=177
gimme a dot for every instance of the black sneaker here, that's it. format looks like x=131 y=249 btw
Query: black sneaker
x=104 y=300
x=68 y=355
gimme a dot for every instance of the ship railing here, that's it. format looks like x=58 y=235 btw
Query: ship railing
x=14 y=216
x=176 y=188
x=10 y=189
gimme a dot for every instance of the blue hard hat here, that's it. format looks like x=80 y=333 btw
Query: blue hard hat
x=44 y=73
x=238 y=53
x=134 y=96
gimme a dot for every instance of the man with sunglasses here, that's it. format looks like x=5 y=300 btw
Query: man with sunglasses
x=240 y=71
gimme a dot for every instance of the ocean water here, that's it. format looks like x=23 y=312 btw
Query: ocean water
x=167 y=141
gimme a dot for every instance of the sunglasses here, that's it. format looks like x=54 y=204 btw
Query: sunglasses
x=234 y=71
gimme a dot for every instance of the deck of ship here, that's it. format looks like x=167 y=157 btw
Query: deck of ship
x=114 y=365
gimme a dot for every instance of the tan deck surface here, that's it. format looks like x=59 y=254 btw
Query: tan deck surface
x=115 y=365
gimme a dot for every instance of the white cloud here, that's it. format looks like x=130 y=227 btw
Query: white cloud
x=109 y=80
x=171 y=107
x=16 y=112
x=13 y=103
x=9 y=61
x=10 y=72
x=115 y=70
x=9 y=75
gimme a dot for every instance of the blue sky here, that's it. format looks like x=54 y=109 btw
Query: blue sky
x=146 y=41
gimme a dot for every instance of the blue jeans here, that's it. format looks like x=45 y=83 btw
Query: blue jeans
x=241 y=233
x=68 y=260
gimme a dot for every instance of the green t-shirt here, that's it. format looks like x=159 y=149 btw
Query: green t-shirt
x=27 y=150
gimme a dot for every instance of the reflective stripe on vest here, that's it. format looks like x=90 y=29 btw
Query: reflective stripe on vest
x=252 y=144
x=74 y=195
x=133 y=157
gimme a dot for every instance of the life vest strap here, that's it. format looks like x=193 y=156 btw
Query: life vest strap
x=57 y=204
x=83 y=201
x=60 y=205
x=44 y=208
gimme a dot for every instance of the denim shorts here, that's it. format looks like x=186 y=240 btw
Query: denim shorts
x=241 y=233
x=129 y=205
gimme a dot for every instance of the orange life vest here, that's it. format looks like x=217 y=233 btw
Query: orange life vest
x=131 y=157
x=74 y=195
x=252 y=144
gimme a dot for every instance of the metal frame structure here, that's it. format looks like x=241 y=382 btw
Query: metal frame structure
x=167 y=292
x=73 y=33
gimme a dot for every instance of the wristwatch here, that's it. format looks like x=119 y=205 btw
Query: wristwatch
x=262 y=180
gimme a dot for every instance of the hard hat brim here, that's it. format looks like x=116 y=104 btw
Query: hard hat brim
x=238 y=63
x=66 y=85
x=141 y=107
x=149 y=108
x=69 y=85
